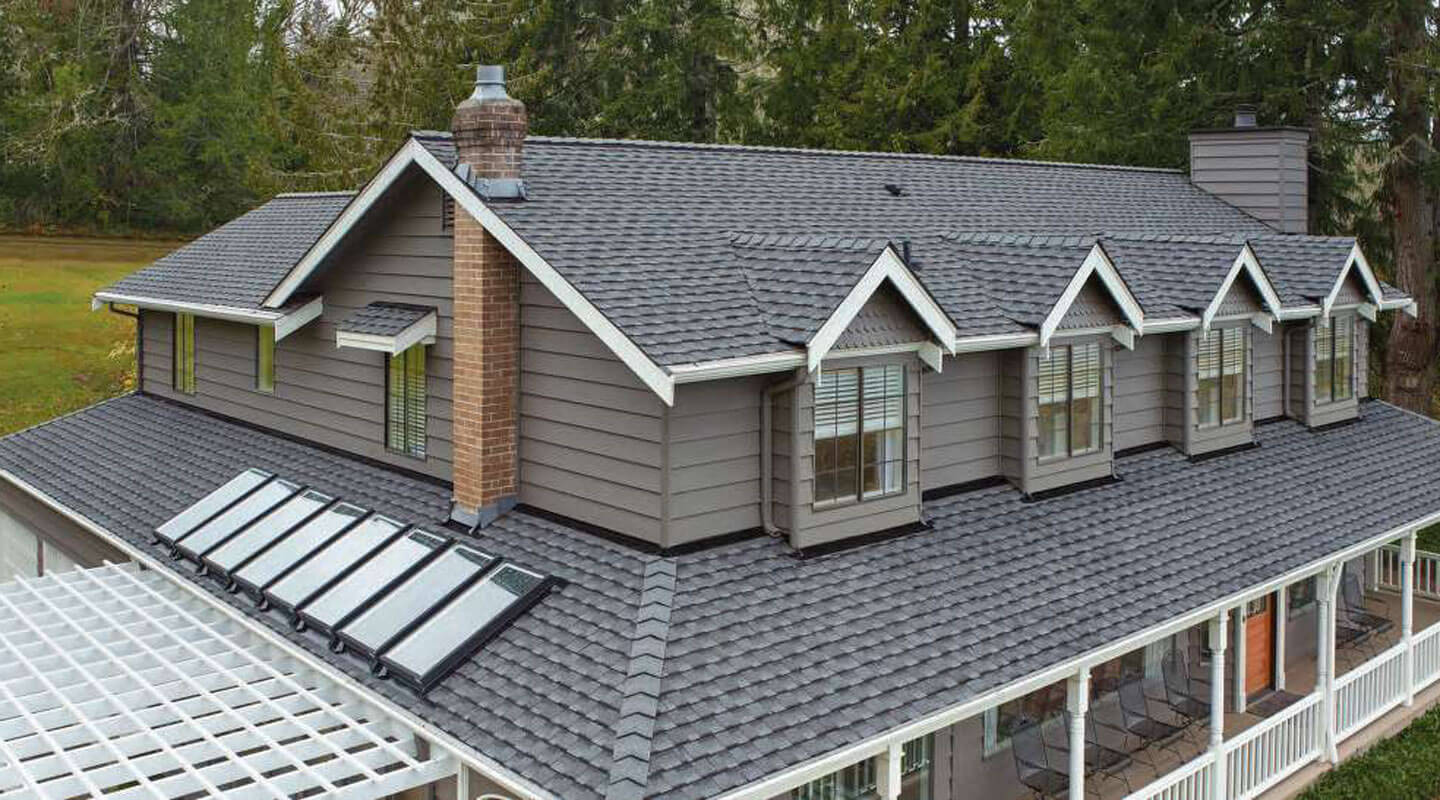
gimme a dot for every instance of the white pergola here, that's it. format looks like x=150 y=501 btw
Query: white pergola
x=116 y=683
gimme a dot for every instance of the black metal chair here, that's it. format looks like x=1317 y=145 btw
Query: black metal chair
x=1138 y=718
x=1180 y=694
x=1352 y=606
x=1032 y=762
x=1101 y=759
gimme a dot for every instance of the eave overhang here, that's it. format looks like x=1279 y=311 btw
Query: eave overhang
x=1245 y=263
x=285 y=320
x=1096 y=264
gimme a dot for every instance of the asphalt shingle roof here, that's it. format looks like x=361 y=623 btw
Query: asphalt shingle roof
x=240 y=262
x=384 y=319
x=766 y=661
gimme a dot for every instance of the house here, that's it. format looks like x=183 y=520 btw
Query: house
x=566 y=469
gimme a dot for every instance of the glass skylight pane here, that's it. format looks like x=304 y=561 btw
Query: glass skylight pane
x=446 y=631
x=255 y=505
x=211 y=504
x=291 y=550
x=337 y=557
x=337 y=603
x=414 y=598
x=229 y=556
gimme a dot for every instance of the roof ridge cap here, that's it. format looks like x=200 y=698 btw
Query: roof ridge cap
x=640 y=691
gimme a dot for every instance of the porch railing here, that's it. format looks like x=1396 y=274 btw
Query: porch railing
x=1269 y=752
x=1427 y=571
x=1365 y=693
x=1427 y=656
x=1190 y=782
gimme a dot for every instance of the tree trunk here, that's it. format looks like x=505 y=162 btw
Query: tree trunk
x=1410 y=361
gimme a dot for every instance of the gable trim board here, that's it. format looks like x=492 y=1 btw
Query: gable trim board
x=888 y=266
x=1098 y=264
x=780 y=783
x=412 y=153
x=1245 y=262
x=1357 y=262
x=467 y=757
x=284 y=323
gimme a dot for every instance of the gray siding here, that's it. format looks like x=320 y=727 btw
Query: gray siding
x=885 y=319
x=1302 y=388
x=1014 y=406
x=810 y=526
x=1093 y=307
x=783 y=423
x=961 y=421
x=1362 y=357
x=1268 y=355
x=714 y=459
x=1352 y=290
x=1260 y=171
x=1218 y=437
x=83 y=547
x=1179 y=385
x=1243 y=298
x=326 y=394
x=592 y=436
x=1140 y=393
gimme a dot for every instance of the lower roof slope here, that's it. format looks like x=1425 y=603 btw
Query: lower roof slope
x=769 y=661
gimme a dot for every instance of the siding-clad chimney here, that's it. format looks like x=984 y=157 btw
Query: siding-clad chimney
x=1261 y=170
x=489 y=129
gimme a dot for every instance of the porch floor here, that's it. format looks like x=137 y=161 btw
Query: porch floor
x=1153 y=763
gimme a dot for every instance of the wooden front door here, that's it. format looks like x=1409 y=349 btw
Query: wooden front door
x=1259 y=645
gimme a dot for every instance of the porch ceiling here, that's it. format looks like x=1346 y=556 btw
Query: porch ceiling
x=117 y=683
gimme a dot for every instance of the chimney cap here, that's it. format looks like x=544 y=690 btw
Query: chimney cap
x=1245 y=116
x=489 y=84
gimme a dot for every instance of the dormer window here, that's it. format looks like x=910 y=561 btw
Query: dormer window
x=1220 y=380
x=859 y=434
x=1070 y=398
x=1334 y=362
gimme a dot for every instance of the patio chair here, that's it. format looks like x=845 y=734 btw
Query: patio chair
x=1180 y=694
x=1109 y=719
x=1352 y=603
x=1138 y=718
x=1032 y=763
x=1101 y=759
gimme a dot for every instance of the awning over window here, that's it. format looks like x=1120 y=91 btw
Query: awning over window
x=389 y=327
x=118 y=683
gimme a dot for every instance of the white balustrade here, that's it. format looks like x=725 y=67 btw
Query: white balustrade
x=1427 y=657
x=1369 y=690
x=1268 y=753
x=1427 y=572
x=1190 y=782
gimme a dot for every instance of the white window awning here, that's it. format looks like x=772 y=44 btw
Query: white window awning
x=117 y=683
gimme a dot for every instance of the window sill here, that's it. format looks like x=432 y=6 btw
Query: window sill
x=848 y=502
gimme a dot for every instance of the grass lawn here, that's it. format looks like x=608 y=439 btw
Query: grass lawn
x=59 y=355
x=1403 y=767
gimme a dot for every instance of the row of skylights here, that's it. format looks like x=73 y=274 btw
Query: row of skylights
x=414 y=603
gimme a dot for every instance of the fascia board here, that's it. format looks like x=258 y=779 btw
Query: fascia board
x=1246 y=262
x=1096 y=263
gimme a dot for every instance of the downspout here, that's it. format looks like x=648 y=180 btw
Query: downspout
x=139 y=343
x=767 y=450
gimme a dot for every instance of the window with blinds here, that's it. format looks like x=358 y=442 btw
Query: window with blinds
x=859 y=433
x=1220 y=386
x=265 y=359
x=861 y=781
x=1071 y=400
x=1334 y=360
x=405 y=410
x=184 y=358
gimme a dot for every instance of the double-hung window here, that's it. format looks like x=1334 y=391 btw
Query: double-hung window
x=1221 y=385
x=1071 y=396
x=1334 y=361
x=859 y=433
x=405 y=402
x=184 y=356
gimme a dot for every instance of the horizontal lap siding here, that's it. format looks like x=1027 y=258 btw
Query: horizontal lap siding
x=591 y=434
x=714 y=459
x=960 y=424
x=1269 y=360
x=334 y=396
x=1140 y=393
x=1261 y=172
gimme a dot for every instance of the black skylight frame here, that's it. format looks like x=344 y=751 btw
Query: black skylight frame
x=193 y=547
x=211 y=560
x=210 y=506
x=422 y=683
x=255 y=590
x=304 y=619
x=290 y=608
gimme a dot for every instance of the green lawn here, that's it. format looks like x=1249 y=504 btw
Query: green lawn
x=1403 y=767
x=60 y=356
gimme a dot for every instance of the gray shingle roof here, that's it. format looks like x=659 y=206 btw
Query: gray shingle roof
x=384 y=319
x=1305 y=267
x=1185 y=271
x=768 y=661
x=239 y=263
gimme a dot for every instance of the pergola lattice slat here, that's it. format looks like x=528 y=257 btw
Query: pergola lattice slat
x=117 y=683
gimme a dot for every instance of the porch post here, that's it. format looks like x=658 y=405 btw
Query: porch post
x=462 y=783
x=1217 y=703
x=1327 y=582
x=1077 y=703
x=1282 y=615
x=1241 y=657
x=1407 y=612
x=887 y=773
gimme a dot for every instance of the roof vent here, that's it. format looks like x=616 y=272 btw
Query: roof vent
x=1245 y=116
x=894 y=189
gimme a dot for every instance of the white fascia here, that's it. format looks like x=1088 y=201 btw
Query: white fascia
x=928 y=352
x=1405 y=304
x=1245 y=262
x=782 y=782
x=784 y=362
x=466 y=755
x=1171 y=325
x=1095 y=263
x=887 y=266
x=284 y=322
x=1357 y=262
x=412 y=152
x=423 y=331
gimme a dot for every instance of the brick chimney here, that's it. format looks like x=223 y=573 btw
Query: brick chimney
x=489 y=129
x=1260 y=170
